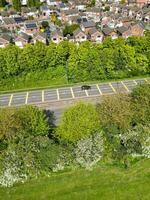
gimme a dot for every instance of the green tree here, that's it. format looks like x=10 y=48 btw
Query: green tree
x=17 y=5
x=33 y=3
x=115 y=114
x=33 y=120
x=78 y=121
x=2 y=3
x=140 y=97
x=69 y=29
x=10 y=65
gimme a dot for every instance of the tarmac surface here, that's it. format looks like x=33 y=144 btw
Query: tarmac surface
x=68 y=93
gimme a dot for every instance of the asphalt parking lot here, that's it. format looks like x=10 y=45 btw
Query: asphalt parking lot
x=68 y=93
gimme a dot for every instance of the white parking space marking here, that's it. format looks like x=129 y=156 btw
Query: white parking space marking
x=65 y=93
x=119 y=87
x=18 y=99
x=26 y=101
x=112 y=87
x=130 y=84
x=99 y=89
x=140 y=81
x=78 y=92
x=86 y=92
x=42 y=95
x=135 y=82
x=106 y=89
x=10 y=100
x=57 y=94
x=72 y=92
x=125 y=86
x=35 y=97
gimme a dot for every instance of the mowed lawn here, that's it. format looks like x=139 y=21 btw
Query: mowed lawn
x=102 y=183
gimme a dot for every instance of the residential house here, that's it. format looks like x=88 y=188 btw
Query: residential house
x=22 y=39
x=57 y=36
x=108 y=32
x=66 y=14
x=41 y=37
x=79 y=36
x=95 y=35
x=4 y=40
x=9 y=23
x=31 y=27
x=94 y=14
x=87 y=26
x=124 y=32
x=137 y=29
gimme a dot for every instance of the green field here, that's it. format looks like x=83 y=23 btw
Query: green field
x=103 y=183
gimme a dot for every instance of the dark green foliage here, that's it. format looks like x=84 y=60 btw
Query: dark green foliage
x=69 y=29
x=45 y=24
x=17 y=5
x=33 y=3
x=2 y=3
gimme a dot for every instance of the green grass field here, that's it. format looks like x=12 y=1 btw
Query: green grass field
x=102 y=183
x=41 y=80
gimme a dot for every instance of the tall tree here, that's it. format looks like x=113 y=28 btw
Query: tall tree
x=17 y=5
x=78 y=121
x=2 y=3
x=33 y=3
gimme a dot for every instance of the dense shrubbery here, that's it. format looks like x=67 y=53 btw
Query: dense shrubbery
x=116 y=130
x=113 y=59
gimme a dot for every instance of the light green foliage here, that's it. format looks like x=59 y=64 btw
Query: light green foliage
x=78 y=121
x=33 y=120
x=115 y=113
x=141 y=104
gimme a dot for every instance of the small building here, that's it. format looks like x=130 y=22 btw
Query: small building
x=137 y=29
x=95 y=35
x=124 y=32
x=57 y=36
x=4 y=40
x=79 y=36
x=31 y=28
x=87 y=26
x=108 y=32
x=41 y=37
x=22 y=40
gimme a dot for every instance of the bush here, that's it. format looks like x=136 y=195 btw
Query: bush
x=78 y=121
x=89 y=151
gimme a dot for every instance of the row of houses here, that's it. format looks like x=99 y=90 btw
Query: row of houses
x=96 y=23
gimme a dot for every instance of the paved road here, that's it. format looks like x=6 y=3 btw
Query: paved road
x=68 y=93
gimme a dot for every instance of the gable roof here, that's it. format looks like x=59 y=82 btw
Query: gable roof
x=93 y=31
x=122 y=29
x=6 y=37
x=106 y=30
x=88 y=24
x=30 y=25
x=8 y=20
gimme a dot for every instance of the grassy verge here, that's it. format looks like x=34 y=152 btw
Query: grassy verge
x=102 y=183
x=43 y=82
